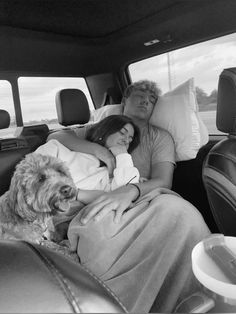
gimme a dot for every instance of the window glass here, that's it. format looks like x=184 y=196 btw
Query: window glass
x=37 y=96
x=8 y=105
x=204 y=62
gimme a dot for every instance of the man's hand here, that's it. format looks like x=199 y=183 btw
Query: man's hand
x=118 y=200
x=142 y=179
x=103 y=154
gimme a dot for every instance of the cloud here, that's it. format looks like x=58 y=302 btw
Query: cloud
x=203 y=61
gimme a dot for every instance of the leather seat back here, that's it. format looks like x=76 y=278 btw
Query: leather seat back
x=4 y=119
x=12 y=150
x=35 y=279
x=219 y=170
x=72 y=107
x=35 y=135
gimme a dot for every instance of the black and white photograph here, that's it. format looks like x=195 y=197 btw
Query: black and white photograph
x=118 y=156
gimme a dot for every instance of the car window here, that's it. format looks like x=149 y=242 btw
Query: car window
x=8 y=105
x=204 y=62
x=37 y=96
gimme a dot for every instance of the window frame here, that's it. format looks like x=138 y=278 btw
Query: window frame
x=12 y=77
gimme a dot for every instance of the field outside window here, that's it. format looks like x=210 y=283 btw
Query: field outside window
x=204 y=62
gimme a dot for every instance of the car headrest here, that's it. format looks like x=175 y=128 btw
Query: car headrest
x=226 y=102
x=72 y=107
x=4 y=119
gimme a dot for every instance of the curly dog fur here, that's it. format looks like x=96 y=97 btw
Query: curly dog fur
x=40 y=188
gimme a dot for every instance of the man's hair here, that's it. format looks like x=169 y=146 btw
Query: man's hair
x=143 y=85
x=100 y=131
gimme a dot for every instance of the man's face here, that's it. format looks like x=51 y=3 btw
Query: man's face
x=140 y=105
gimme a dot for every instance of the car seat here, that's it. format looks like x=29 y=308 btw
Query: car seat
x=219 y=169
x=35 y=279
x=35 y=135
x=12 y=150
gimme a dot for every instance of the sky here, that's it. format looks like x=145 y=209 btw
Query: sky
x=203 y=61
x=37 y=96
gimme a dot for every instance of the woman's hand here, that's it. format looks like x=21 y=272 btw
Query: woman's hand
x=118 y=149
x=118 y=200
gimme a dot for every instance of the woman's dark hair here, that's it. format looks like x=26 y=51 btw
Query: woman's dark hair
x=100 y=131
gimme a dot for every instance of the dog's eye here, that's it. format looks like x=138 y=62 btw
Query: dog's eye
x=42 y=178
x=61 y=171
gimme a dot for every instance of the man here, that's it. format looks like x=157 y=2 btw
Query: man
x=138 y=239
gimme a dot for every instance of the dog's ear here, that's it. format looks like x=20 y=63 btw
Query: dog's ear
x=22 y=208
x=13 y=192
x=17 y=200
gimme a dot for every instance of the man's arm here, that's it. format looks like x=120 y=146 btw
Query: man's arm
x=162 y=161
x=118 y=200
x=88 y=196
x=69 y=139
x=161 y=177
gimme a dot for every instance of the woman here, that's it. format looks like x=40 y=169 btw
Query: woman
x=121 y=136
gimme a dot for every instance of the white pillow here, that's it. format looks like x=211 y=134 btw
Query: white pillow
x=176 y=112
x=104 y=112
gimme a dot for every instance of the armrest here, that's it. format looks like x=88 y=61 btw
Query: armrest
x=36 y=279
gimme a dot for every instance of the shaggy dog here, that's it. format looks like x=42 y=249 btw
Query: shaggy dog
x=41 y=187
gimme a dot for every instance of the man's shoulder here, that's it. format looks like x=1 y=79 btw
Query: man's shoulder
x=158 y=136
x=157 y=131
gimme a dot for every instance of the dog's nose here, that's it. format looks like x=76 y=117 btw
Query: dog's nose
x=66 y=190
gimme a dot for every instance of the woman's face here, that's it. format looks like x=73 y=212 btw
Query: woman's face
x=123 y=137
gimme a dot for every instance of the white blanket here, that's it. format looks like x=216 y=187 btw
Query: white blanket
x=86 y=171
x=146 y=258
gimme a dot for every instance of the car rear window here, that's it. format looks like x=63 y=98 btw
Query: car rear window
x=37 y=96
x=8 y=105
x=204 y=62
